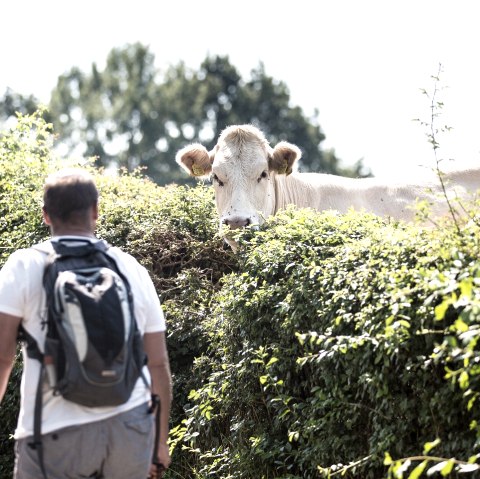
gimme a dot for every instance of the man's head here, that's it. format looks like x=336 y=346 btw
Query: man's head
x=70 y=201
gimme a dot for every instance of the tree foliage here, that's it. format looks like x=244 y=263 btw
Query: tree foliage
x=13 y=103
x=130 y=114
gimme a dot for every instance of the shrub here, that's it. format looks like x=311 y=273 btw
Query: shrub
x=343 y=338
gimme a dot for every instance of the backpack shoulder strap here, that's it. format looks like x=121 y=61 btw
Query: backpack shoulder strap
x=71 y=246
x=77 y=247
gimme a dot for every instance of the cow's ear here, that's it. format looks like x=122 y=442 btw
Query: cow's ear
x=195 y=160
x=284 y=157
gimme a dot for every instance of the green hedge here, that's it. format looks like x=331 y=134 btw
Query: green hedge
x=327 y=346
x=344 y=342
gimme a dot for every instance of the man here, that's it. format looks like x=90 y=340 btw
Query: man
x=79 y=442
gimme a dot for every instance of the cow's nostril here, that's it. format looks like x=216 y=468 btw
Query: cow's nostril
x=236 y=222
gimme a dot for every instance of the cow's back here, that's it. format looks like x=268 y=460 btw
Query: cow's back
x=468 y=179
x=373 y=195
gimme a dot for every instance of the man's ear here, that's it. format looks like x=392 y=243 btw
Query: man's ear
x=46 y=217
x=195 y=160
x=95 y=211
x=284 y=157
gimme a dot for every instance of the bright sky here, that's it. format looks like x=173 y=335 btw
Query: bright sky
x=361 y=63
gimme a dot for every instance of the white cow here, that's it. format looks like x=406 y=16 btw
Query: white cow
x=253 y=181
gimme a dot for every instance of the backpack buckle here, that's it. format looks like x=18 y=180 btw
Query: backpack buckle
x=155 y=401
x=34 y=445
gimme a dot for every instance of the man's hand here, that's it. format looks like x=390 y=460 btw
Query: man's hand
x=157 y=470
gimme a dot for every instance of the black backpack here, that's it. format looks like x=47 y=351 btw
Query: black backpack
x=93 y=352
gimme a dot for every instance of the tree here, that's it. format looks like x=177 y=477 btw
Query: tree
x=219 y=97
x=111 y=114
x=130 y=114
x=12 y=103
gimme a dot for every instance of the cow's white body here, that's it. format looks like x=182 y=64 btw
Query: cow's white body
x=253 y=181
x=387 y=199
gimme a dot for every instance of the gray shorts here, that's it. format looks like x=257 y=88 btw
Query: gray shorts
x=119 y=447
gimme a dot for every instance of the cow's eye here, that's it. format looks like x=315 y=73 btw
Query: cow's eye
x=263 y=175
x=217 y=179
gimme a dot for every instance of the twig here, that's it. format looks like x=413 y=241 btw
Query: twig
x=434 y=106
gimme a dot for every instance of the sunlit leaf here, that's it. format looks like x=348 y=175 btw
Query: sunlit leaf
x=430 y=445
x=417 y=472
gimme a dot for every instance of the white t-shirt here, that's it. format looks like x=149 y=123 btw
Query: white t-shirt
x=22 y=295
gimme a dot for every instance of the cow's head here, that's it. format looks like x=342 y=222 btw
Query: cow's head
x=242 y=167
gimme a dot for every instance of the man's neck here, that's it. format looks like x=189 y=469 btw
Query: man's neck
x=72 y=232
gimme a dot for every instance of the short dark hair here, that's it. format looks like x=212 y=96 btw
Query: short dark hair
x=69 y=194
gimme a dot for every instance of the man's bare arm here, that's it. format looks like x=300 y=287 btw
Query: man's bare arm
x=8 y=343
x=159 y=367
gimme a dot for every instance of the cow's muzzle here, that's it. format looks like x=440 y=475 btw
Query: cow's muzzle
x=236 y=222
